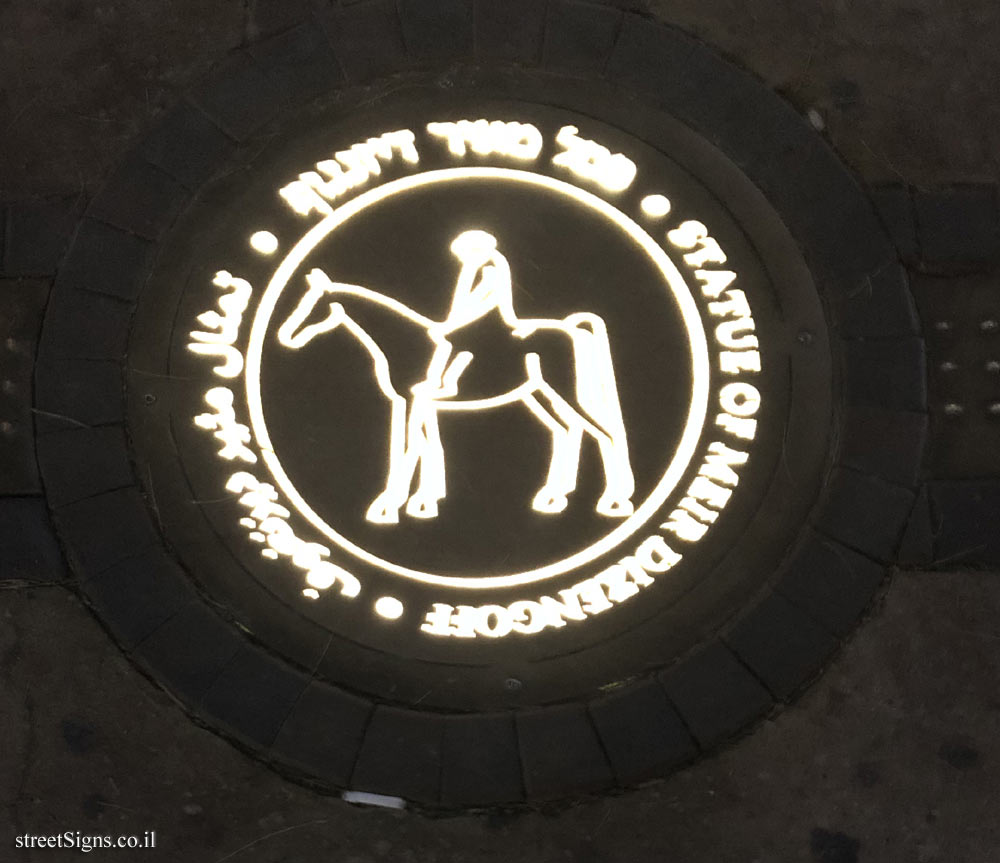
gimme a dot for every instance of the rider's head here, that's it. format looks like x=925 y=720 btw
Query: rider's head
x=474 y=248
x=484 y=282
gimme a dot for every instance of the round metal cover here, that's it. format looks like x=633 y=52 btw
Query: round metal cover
x=489 y=433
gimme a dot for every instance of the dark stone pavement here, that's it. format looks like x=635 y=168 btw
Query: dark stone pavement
x=891 y=756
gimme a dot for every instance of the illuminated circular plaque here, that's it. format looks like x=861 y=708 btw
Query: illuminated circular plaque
x=482 y=409
x=472 y=383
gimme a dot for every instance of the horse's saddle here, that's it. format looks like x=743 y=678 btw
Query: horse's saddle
x=497 y=364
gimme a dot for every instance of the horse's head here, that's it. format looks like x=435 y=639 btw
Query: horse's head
x=317 y=312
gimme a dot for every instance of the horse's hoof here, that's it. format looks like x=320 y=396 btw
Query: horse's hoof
x=381 y=513
x=549 y=503
x=615 y=508
x=420 y=508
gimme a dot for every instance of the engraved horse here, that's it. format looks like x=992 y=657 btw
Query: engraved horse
x=584 y=400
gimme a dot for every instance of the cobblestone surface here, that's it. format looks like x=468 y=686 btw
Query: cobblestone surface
x=892 y=756
x=905 y=89
x=896 y=747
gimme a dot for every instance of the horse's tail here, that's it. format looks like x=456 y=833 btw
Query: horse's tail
x=596 y=388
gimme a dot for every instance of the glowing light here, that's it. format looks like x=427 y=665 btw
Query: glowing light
x=742 y=400
x=389 y=607
x=708 y=493
x=226 y=326
x=346 y=171
x=269 y=516
x=694 y=235
x=264 y=242
x=484 y=285
x=233 y=435
x=655 y=206
x=616 y=584
x=592 y=161
x=697 y=344
x=739 y=402
x=485 y=137
x=232 y=359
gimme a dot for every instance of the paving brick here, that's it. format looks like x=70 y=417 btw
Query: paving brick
x=22 y=302
x=237 y=96
x=253 y=607
x=84 y=325
x=189 y=651
x=767 y=138
x=887 y=373
x=658 y=59
x=509 y=31
x=187 y=146
x=366 y=38
x=894 y=204
x=481 y=765
x=103 y=530
x=299 y=62
x=106 y=260
x=889 y=444
x=18 y=468
x=38 y=234
x=714 y=694
x=830 y=582
x=30 y=549
x=401 y=755
x=641 y=732
x=967 y=512
x=959 y=225
x=273 y=16
x=561 y=753
x=322 y=733
x=579 y=37
x=846 y=222
x=782 y=645
x=139 y=594
x=82 y=462
x=881 y=307
x=437 y=31
x=865 y=513
x=70 y=394
x=22 y=307
x=253 y=694
x=917 y=546
x=139 y=198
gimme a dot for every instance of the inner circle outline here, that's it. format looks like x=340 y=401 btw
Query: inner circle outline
x=700 y=371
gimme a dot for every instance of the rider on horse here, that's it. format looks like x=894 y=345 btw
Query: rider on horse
x=484 y=286
x=563 y=374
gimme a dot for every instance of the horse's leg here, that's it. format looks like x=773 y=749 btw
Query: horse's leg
x=596 y=397
x=385 y=508
x=616 y=501
x=431 y=486
x=564 y=465
x=619 y=482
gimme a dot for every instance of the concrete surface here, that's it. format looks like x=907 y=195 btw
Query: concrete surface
x=891 y=756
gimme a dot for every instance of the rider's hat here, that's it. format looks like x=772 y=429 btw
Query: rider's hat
x=474 y=247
